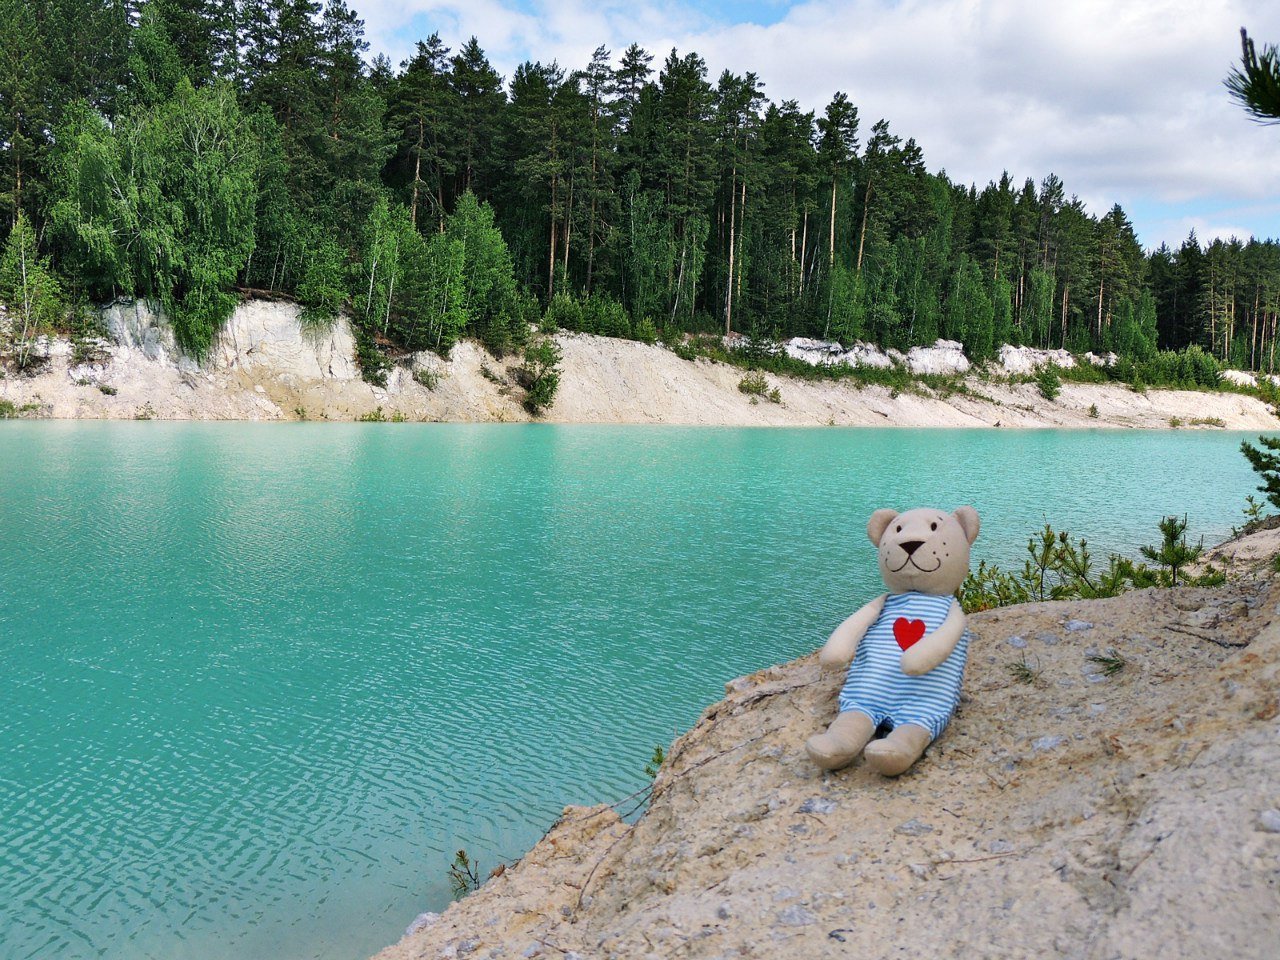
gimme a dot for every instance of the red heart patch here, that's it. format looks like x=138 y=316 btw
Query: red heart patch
x=907 y=632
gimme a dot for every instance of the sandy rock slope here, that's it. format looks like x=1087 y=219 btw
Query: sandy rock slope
x=1082 y=815
x=266 y=365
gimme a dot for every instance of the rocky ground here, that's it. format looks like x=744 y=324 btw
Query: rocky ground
x=1110 y=788
x=266 y=366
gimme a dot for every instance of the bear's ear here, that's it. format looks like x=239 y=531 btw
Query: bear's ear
x=969 y=522
x=879 y=523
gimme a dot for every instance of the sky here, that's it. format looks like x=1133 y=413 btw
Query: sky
x=1122 y=99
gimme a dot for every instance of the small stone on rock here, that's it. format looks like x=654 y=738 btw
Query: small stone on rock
x=1018 y=643
x=1047 y=638
x=1000 y=846
x=1045 y=744
x=724 y=913
x=1075 y=626
x=796 y=916
x=818 y=805
x=913 y=828
x=1269 y=821
x=421 y=922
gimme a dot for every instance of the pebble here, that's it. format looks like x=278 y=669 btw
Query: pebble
x=913 y=828
x=1075 y=626
x=1269 y=821
x=785 y=893
x=1045 y=744
x=919 y=870
x=845 y=859
x=796 y=916
x=1047 y=638
x=818 y=805
x=723 y=912
x=1018 y=643
x=421 y=922
x=1000 y=846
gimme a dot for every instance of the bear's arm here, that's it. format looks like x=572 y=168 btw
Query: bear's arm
x=937 y=646
x=843 y=642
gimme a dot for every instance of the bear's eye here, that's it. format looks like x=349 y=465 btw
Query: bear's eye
x=899 y=528
x=933 y=526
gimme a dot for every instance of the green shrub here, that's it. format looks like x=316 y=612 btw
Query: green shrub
x=655 y=763
x=540 y=374
x=563 y=313
x=373 y=416
x=1061 y=568
x=606 y=316
x=372 y=361
x=644 y=330
x=1049 y=382
x=428 y=378
x=754 y=384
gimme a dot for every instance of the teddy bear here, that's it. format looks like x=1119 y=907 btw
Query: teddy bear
x=907 y=646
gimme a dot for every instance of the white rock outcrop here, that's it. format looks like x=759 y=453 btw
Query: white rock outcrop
x=133 y=325
x=821 y=353
x=1240 y=378
x=271 y=336
x=945 y=357
x=1023 y=360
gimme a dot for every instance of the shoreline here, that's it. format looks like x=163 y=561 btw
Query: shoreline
x=1087 y=806
x=266 y=367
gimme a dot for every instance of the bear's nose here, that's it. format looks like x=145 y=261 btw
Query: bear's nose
x=911 y=546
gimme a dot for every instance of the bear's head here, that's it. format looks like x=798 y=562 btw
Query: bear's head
x=924 y=550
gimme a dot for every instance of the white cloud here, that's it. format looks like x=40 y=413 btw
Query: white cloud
x=1123 y=101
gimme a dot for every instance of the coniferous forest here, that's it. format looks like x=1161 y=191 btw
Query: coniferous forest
x=191 y=150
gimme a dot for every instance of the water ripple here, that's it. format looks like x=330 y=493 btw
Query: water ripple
x=260 y=682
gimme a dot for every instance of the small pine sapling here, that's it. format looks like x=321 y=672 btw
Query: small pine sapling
x=464 y=874
x=1265 y=460
x=1174 y=553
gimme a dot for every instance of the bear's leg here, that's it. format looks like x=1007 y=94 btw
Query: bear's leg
x=843 y=741
x=899 y=750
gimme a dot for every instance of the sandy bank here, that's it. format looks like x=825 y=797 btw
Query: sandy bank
x=264 y=366
x=1084 y=815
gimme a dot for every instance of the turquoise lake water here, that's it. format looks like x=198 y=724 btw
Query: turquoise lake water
x=260 y=681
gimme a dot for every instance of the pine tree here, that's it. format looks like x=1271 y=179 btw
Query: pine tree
x=24 y=104
x=1255 y=84
x=1265 y=460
